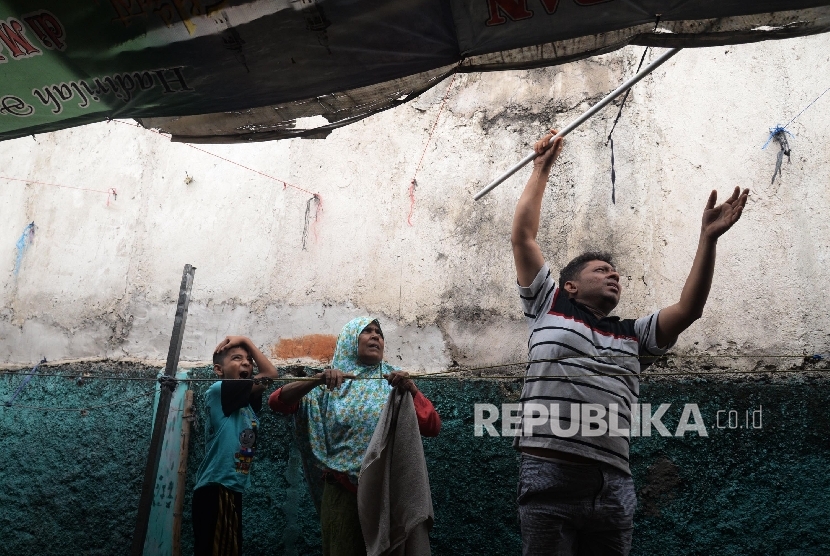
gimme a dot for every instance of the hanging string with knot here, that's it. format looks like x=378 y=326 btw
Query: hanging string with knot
x=611 y=139
x=413 y=183
x=316 y=200
x=617 y=119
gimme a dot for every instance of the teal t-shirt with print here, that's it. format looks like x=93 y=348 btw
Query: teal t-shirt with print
x=230 y=435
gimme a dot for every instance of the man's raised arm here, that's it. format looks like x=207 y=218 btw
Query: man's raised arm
x=526 y=252
x=676 y=318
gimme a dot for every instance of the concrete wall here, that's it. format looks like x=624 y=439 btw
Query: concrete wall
x=75 y=483
x=100 y=280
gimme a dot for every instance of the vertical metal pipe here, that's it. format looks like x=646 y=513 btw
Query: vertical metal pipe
x=581 y=119
x=154 y=453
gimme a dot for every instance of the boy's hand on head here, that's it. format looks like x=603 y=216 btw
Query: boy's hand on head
x=230 y=342
x=332 y=378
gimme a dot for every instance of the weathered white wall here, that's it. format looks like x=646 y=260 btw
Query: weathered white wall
x=101 y=281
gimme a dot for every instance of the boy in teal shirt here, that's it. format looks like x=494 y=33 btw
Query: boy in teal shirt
x=231 y=423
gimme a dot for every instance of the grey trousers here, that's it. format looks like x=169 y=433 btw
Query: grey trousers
x=575 y=509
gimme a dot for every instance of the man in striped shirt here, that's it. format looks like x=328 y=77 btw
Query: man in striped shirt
x=576 y=495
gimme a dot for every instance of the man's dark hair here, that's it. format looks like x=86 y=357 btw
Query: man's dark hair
x=573 y=268
x=219 y=358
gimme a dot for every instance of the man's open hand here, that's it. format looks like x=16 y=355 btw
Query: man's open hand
x=718 y=219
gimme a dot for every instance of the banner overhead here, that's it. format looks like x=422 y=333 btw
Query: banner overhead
x=252 y=70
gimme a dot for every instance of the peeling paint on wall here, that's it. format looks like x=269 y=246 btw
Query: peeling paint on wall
x=319 y=347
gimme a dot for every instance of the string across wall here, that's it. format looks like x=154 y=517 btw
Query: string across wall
x=701 y=359
x=109 y=192
x=228 y=160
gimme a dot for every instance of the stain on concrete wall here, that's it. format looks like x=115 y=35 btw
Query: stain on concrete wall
x=74 y=483
x=317 y=347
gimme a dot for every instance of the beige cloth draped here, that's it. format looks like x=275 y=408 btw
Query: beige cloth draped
x=393 y=496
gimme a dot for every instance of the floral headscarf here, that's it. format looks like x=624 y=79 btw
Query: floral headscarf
x=333 y=427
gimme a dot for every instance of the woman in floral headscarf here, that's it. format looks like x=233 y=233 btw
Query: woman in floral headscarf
x=335 y=417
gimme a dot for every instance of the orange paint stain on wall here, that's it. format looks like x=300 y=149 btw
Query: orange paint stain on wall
x=312 y=346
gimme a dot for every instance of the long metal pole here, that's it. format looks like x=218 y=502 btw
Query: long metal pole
x=581 y=119
x=154 y=453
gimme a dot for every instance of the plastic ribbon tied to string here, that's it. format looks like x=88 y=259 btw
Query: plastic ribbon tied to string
x=779 y=135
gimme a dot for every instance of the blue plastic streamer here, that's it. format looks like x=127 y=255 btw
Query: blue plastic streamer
x=776 y=131
x=24 y=383
x=22 y=244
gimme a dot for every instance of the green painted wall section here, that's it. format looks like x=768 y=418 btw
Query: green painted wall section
x=72 y=481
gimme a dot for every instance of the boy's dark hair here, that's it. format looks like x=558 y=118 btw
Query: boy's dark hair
x=573 y=268
x=219 y=358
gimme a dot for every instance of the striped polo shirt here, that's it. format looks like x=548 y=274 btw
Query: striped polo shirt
x=581 y=369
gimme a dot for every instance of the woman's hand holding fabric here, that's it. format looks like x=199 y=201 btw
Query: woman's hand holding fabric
x=400 y=379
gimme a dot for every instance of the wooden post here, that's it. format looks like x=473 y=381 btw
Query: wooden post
x=166 y=393
x=187 y=418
